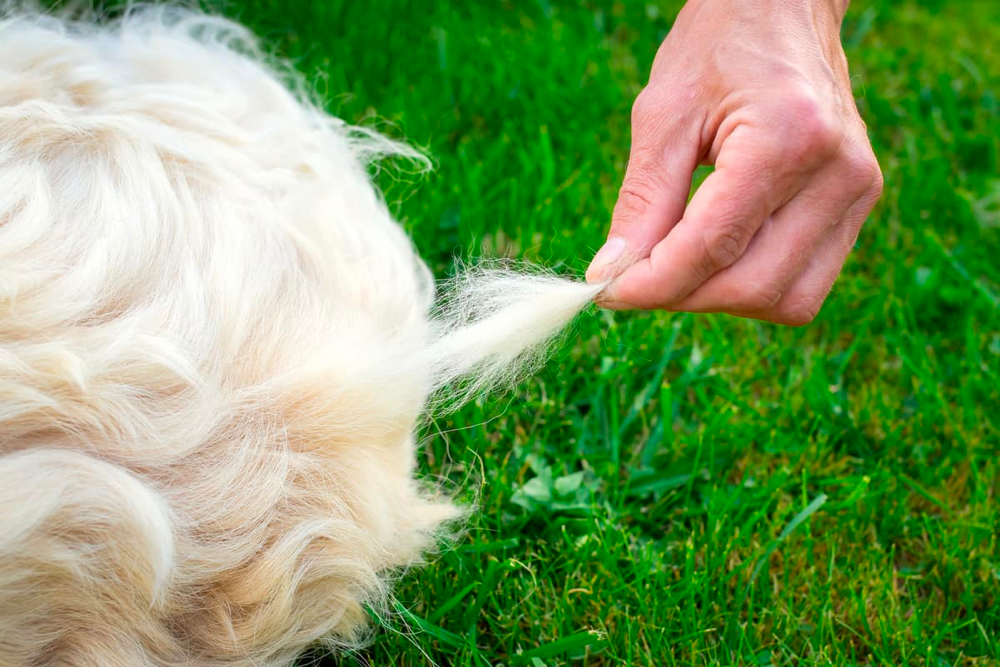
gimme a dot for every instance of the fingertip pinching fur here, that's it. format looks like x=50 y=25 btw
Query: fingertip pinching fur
x=215 y=345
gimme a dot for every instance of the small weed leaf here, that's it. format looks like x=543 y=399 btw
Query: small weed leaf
x=547 y=493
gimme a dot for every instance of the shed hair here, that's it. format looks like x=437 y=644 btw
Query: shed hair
x=215 y=346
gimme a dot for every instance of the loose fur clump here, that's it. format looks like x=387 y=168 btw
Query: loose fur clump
x=215 y=345
x=495 y=326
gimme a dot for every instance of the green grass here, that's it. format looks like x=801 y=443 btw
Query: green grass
x=678 y=489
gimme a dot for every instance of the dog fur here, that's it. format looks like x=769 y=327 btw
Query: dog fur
x=215 y=346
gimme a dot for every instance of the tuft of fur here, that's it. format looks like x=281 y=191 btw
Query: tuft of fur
x=215 y=344
x=495 y=324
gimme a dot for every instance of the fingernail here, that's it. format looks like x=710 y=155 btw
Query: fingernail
x=605 y=259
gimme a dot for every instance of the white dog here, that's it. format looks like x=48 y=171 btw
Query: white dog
x=215 y=345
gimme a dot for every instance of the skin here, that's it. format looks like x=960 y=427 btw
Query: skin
x=761 y=91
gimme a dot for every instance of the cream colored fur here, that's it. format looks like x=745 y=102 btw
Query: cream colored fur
x=215 y=345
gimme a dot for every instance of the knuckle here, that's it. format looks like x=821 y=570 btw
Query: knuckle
x=635 y=198
x=863 y=169
x=878 y=183
x=645 y=108
x=799 y=313
x=813 y=131
x=724 y=245
x=642 y=180
x=761 y=299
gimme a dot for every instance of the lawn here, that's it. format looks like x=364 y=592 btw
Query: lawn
x=694 y=489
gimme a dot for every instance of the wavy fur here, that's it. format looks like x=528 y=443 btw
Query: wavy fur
x=215 y=344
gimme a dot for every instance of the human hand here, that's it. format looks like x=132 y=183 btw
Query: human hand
x=761 y=91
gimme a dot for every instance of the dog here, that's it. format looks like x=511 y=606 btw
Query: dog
x=215 y=347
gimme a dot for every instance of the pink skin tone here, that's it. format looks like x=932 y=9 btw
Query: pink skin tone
x=759 y=89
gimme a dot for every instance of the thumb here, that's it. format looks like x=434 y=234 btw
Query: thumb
x=655 y=189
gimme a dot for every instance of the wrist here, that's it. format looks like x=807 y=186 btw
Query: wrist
x=832 y=11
